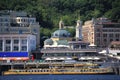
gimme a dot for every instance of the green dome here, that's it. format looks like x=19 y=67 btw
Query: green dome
x=61 y=33
x=48 y=41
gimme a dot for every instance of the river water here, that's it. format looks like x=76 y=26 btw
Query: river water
x=60 y=77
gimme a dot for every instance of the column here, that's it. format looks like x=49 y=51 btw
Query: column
x=11 y=45
x=19 y=45
x=27 y=44
x=79 y=46
x=3 y=44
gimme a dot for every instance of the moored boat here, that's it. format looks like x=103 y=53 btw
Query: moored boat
x=66 y=69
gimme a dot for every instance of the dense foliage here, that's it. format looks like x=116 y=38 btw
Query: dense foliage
x=49 y=12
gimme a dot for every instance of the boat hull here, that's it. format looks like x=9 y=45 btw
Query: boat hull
x=55 y=73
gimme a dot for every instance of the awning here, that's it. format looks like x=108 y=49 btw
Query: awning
x=62 y=58
x=68 y=58
x=96 y=58
x=54 y=58
x=14 y=58
x=92 y=45
x=82 y=58
x=89 y=58
x=104 y=51
x=48 y=59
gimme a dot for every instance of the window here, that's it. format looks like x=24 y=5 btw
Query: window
x=117 y=39
x=110 y=30
x=98 y=34
x=83 y=46
x=105 y=40
x=22 y=20
x=117 y=30
x=104 y=35
x=104 y=30
x=24 y=41
x=56 y=34
x=98 y=41
x=18 y=20
x=7 y=30
x=110 y=35
x=117 y=35
x=7 y=48
x=6 y=20
x=16 y=41
x=24 y=48
x=6 y=24
x=98 y=30
x=8 y=41
x=1 y=20
x=16 y=48
x=76 y=47
x=0 y=24
x=111 y=40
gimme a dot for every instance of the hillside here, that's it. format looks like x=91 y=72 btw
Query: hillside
x=49 y=12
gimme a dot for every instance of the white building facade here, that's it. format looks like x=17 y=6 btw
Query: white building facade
x=16 y=46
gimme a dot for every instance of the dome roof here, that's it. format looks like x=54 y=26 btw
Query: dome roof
x=48 y=41
x=61 y=33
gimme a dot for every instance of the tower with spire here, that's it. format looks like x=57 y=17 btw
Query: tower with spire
x=61 y=24
x=79 y=30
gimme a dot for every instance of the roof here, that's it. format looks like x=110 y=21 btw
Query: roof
x=61 y=33
x=48 y=41
x=78 y=42
x=62 y=42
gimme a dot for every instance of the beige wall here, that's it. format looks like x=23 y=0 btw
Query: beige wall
x=99 y=35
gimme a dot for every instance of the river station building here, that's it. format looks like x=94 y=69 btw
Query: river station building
x=61 y=46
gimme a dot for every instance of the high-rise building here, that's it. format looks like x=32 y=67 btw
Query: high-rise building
x=101 y=32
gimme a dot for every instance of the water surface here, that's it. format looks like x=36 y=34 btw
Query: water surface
x=60 y=77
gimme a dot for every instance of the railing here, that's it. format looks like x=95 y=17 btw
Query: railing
x=42 y=63
x=67 y=50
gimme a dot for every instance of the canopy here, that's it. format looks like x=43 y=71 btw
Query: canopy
x=96 y=58
x=82 y=58
x=89 y=58
x=62 y=58
x=48 y=59
x=68 y=58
